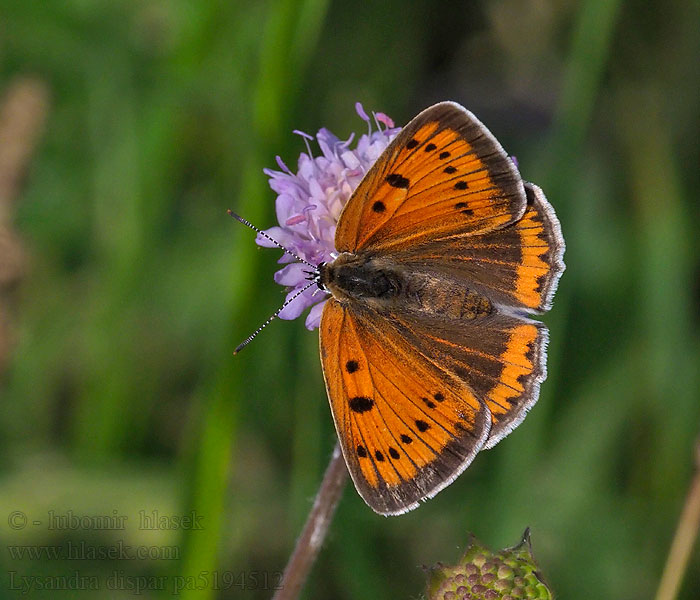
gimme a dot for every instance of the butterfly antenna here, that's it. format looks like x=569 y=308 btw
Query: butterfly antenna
x=251 y=337
x=267 y=237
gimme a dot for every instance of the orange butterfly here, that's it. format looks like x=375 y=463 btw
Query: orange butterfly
x=428 y=355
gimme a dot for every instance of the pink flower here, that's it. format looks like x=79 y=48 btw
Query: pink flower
x=309 y=203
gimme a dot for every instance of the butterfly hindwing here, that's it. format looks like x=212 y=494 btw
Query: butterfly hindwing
x=500 y=358
x=542 y=253
x=407 y=428
x=445 y=171
x=518 y=265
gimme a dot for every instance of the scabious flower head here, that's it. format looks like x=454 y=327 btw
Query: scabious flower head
x=483 y=574
x=309 y=203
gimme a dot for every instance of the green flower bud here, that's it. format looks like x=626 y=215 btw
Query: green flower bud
x=485 y=575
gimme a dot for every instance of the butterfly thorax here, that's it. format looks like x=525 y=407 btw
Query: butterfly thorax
x=360 y=278
x=381 y=284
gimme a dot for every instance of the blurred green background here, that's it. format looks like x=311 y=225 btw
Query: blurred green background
x=118 y=388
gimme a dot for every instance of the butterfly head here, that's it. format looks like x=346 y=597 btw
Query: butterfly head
x=315 y=276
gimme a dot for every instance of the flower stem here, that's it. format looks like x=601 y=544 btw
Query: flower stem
x=683 y=541
x=315 y=529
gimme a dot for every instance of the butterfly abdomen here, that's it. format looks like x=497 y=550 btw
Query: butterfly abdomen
x=380 y=283
x=429 y=294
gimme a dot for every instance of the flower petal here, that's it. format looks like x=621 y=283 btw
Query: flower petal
x=298 y=305
x=313 y=319
x=280 y=235
x=382 y=118
x=292 y=275
x=359 y=109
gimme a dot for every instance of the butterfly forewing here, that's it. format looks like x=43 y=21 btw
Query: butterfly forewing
x=407 y=427
x=444 y=171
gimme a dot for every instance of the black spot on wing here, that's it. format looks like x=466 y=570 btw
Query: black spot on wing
x=530 y=354
x=360 y=404
x=540 y=281
x=462 y=207
x=396 y=180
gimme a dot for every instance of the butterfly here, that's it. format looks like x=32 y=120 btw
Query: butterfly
x=427 y=349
